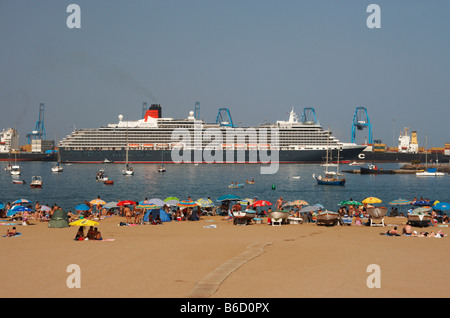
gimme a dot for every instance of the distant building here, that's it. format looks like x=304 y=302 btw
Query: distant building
x=9 y=140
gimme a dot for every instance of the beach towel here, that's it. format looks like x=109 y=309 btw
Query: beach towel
x=18 y=234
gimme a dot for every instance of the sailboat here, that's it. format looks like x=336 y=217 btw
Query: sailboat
x=58 y=167
x=9 y=166
x=15 y=169
x=161 y=168
x=429 y=172
x=128 y=171
x=330 y=177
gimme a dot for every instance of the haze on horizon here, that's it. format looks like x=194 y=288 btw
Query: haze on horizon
x=259 y=58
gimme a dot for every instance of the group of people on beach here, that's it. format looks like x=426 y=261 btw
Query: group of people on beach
x=408 y=231
x=93 y=234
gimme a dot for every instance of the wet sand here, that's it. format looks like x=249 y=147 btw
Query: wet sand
x=174 y=259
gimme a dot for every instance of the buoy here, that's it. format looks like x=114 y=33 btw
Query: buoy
x=273 y=187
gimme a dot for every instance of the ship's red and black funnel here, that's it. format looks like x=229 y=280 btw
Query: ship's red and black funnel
x=154 y=112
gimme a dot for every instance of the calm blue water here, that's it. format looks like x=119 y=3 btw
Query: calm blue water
x=77 y=183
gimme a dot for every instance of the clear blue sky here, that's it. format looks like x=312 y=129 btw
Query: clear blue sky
x=257 y=57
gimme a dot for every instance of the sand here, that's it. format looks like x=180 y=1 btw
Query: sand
x=185 y=259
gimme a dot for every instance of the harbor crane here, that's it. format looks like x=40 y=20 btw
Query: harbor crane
x=39 y=131
x=224 y=118
x=309 y=116
x=361 y=121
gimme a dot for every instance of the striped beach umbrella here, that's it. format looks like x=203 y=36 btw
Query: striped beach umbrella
x=17 y=209
x=188 y=203
x=22 y=201
x=147 y=206
x=400 y=202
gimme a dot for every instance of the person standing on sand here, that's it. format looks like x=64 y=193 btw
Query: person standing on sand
x=127 y=213
x=279 y=204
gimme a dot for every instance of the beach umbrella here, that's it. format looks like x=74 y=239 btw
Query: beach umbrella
x=83 y=222
x=205 y=203
x=189 y=203
x=46 y=208
x=147 y=206
x=97 y=201
x=17 y=209
x=2 y=205
x=400 y=202
x=300 y=202
x=171 y=199
x=171 y=202
x=246 y=201
x=109 y=205
x=350 y=202
x=442 y=206
x=155 y=201
x=422 y=203
x=126 y=202
x=229 y=197
x=421 y=210
x=371 y=200
x=312 y=208
x=261 y=203
x=81 y=207
x=21 y=201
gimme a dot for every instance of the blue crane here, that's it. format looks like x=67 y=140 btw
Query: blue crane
x=361 y=121
x=309 y=116
x=224 y=118
x=39 y=130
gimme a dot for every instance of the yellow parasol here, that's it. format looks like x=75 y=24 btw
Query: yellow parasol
x=83 y=222
x=371 y=200
x=97 y=201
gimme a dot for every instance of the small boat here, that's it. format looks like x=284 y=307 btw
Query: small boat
x=8 y=167
x=107 y=161
x=430 y=172
x=101 y=176
x=243 y=217
x=108 y=182
x=36 y=182
x=15 y=170
x=161 y=169
x=235 y=186
x=420 y=219
x=330 y=179
x=354 y=163
x=373 y=169
x=327 y=218
x=250 y=182
x=295 y=177
x=377 y=213
x=275 y=215
x=19 y=181
x=333 y=178
x=57 y=168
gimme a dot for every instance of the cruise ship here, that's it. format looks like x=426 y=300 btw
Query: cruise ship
x=155 y=139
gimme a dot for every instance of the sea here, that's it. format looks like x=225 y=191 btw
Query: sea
x=77 y=184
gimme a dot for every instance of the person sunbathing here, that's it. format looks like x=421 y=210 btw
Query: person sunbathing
x=391 y=232
x=13 y=232
x=407 y=230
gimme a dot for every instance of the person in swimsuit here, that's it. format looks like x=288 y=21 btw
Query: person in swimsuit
x=13 y=232
x=128 y=214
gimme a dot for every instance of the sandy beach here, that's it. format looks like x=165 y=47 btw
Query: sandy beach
x=174 y=259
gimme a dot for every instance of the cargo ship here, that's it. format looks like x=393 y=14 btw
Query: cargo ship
x=155 y=139
x=408 y=151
